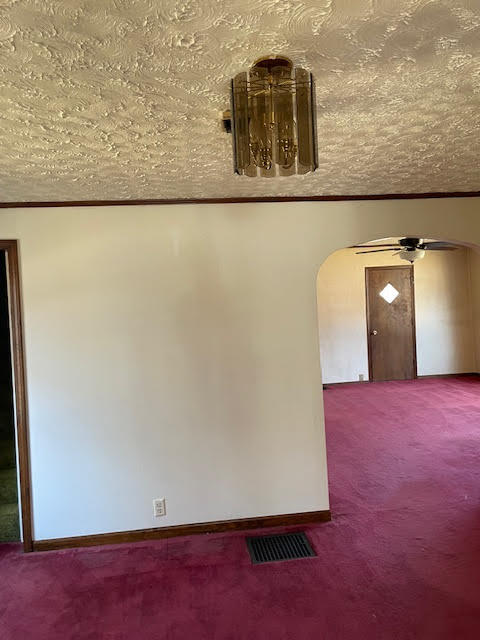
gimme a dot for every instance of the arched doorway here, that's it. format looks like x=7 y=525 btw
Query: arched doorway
x=383 y=318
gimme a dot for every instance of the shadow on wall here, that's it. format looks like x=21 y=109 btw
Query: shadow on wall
x=213 y=324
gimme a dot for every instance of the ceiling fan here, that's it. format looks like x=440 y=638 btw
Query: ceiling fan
x=409 y=249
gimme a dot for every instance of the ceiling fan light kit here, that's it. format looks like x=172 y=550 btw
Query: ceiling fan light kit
x=411 y=255
x=272 y=119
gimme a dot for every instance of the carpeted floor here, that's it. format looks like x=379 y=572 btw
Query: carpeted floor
x=400 y=560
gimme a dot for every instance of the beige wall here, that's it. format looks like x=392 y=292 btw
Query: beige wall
x=445 y=333
x=173 y=351
x=444 y=327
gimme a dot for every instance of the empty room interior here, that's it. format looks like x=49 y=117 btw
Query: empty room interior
x=239 y=320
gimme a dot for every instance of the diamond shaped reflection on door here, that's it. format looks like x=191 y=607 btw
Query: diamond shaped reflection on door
x=389 y=293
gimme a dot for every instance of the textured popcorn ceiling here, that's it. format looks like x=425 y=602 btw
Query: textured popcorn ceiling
x=116 y=99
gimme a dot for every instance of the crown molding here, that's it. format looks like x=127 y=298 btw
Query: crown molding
x=153 y=201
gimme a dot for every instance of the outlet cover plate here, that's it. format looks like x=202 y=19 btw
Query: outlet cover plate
x=159 y=508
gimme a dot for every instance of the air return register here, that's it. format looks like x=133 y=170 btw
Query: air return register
x=286 y=546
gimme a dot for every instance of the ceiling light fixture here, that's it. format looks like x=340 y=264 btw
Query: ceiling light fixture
x=272 y=119
x=411 y=255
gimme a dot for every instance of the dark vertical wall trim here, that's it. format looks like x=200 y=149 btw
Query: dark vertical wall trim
x=18 y=363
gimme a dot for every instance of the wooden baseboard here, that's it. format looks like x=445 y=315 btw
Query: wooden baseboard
x=450 y=375
x=336 y=384
x=139 y=535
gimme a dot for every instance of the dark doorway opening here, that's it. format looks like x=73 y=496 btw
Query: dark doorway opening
x=9 y=507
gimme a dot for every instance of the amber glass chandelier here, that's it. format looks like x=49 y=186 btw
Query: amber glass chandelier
x=272 y=119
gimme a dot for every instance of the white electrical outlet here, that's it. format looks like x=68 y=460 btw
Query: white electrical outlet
x=361 y=377
x=159 y=508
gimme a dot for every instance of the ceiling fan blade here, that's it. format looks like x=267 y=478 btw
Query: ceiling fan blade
x=372 y=246
x=375 y=250
x=440 y=246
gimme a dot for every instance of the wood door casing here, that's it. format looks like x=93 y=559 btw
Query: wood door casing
x=391 y=326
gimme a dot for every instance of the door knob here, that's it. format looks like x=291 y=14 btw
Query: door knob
x=374 y=332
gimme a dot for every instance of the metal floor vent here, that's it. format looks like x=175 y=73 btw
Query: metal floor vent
x=285 y=546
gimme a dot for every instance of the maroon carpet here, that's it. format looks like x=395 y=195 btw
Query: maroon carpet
x=401 y=558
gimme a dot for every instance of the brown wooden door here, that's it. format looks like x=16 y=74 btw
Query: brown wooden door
x=390 y=323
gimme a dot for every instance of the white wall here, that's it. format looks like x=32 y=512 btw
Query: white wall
x=173 y=351
x=443 y=313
